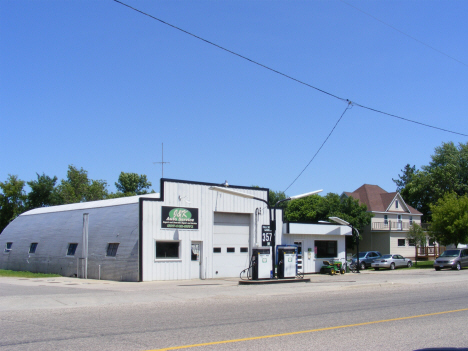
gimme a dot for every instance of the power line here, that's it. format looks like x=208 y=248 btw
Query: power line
x=285 y=75
x=321 y=146
x=231 y=52
x=401 y=32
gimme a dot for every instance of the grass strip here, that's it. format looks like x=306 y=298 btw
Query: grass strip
x=22 y=274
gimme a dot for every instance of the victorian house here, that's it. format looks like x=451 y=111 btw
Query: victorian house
x=390 y=224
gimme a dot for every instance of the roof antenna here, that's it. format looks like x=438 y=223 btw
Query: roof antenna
x=162 y=160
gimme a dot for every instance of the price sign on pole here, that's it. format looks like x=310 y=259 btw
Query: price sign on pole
x=266 y=235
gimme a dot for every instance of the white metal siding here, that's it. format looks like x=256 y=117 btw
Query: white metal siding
x=310 y=263
x=179 y=194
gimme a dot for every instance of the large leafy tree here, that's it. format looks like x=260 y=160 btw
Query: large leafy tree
x=132 y=184
x=12 y=200
x=447 y=172
x=417 y=234
x=42 y=192
x=274 y=197
x=79 y=188
x=450 y=219
x=315 y=208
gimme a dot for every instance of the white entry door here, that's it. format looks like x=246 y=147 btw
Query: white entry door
x=196 y=263
x=300 y=257
x=400 y=225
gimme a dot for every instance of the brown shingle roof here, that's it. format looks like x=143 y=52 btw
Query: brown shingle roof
x=375 y=198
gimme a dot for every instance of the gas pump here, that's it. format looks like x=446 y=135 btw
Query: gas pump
x=287 y=261
x=261 y=263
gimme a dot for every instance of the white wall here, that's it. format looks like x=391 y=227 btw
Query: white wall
x=193 y=195
x=308 y=234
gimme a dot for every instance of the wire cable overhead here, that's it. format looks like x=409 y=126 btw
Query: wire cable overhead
x=285 y=75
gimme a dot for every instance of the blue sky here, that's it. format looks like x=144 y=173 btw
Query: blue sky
x=100 y=86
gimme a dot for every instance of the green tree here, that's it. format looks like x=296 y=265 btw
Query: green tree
x=315 y=208
x=42 y=191
x=450 y=219
x=12 y=200
x=305 y=209
x=79 y=188
x=447 y=172
x=132 y=184
x=274 y=197
x=417 y=234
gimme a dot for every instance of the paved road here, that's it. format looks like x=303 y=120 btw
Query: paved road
x=385 y=310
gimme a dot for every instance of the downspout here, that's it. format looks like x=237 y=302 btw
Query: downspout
x=140 y=240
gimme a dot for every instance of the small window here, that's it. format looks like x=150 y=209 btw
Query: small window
x=401 y=242
x=112 y=249
x=385 y=219
x=72 y=249
x=326 y=249
x=195 y=256
x=231 y=249
x=396 y=203
x=32 y=248
x=411 y=242
x=167 y=249
x=8 y=246
x=216 y=249
x=244 y=249
x=411 y=220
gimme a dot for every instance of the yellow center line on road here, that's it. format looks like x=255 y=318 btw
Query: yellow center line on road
x=305 y=331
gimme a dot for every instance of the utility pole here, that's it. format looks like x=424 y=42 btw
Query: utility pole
x=162 y=160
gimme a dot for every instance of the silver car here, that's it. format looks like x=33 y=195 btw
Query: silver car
x=453 y=258
x=391 y=262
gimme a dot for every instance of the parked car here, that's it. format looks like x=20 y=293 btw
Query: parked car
x=391 y=262
x=365 y=258
x=452 y=258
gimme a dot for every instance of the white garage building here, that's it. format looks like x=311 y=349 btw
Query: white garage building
x=187 y=231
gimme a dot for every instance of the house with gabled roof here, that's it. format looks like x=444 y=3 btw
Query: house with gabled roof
x=392 y=219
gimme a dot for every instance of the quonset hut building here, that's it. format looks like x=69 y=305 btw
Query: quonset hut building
x=187 y=231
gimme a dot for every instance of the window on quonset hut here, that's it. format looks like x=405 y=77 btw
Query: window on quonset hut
x=72 y=249
x=32 y=248
x=167 y=249
x=112 y=249
x=8 y=246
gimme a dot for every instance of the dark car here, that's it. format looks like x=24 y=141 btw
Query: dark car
x=365 y=258
x=452 y=258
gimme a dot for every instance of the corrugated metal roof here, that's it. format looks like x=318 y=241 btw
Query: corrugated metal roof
x=91 y=204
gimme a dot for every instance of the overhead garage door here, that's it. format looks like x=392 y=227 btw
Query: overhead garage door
x=230 y=244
